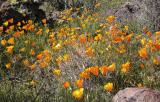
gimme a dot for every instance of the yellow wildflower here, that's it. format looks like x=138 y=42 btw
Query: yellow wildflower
x=97 y=5
x=139 y=85
x=5 y=23
x=11 y=41
x=26 y=62
x=8 y=65
x=56 y=72
x=66 y=57
x=22 y=49
x=33 y=66
x=126 y=28
x=108 y=87
x=59 y=60
x=78 y=93
x=33 y=83
x=124 y=70
x=57 y=47
x=10 y=49
x=89 y=51
x=98 y=37
x=3 y=42
x=125 y=67
x=143 y=41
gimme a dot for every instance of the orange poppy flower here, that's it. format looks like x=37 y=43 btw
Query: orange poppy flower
x=19 y=24
x=142 y=66
x=110 y=19
x=89 y=51
x=17 y=34
x=156 y=61
x=26 y=62
x=157 y=46
x=158 y=33
x=1 y=28
x=11 y=41
x=10 y=49
x=117 y=39
x=40 y=56
x=11 y=28
x=39 y=32
x=33 y=66
x=104 y=70
x=128 y=37
x=143 y=53
x=112 y=67
x=66 y=84
x=44 y=21
x=125 y=67
x=10 y=20
x=3 y=42
x=149 y=33
x=94 y=70
x=43 y=65
x=84 y=75
x=83 y=39
x=8 y=65
x=121 y=49
x=32 y=52
x=79 y=83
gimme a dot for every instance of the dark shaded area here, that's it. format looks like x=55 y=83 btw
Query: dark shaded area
x=8 y=11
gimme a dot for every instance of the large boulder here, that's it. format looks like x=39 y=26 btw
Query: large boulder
x=146 y=12
x=8 y=12
x=30 y=9
x=137 y=95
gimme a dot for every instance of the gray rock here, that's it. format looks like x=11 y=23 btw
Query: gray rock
x=127 y=11
x=4 y=6
x=137 y=95
x=146 y=12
